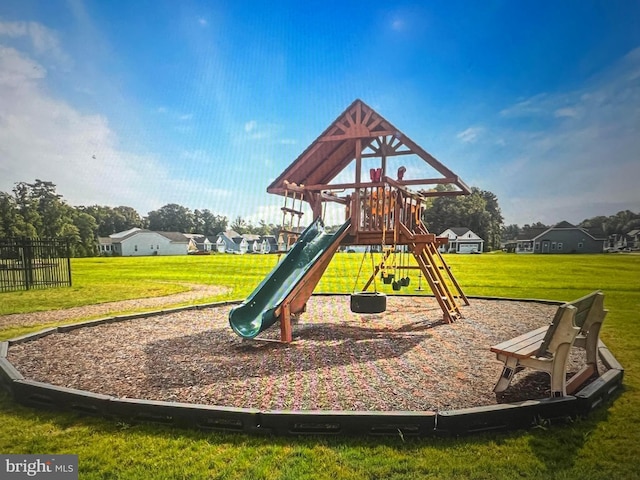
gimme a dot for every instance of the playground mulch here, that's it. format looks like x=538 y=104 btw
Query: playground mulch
x=403 y=359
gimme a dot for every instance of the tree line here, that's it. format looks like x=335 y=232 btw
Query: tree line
x=37 y=210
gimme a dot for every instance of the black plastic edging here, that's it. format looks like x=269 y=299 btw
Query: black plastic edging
x=9 y=373
x=32 y=336
x=45 y=395
x=186 y=414
x=85 y=324
x=321 y=422
x=504 y=416
x=607 y=358
x=600 y=390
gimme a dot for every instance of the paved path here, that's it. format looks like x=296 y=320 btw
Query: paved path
x=196 y=292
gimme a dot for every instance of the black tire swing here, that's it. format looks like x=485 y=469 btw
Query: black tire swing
x=368 y=302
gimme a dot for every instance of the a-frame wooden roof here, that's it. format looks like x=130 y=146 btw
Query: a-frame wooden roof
x=359 y=125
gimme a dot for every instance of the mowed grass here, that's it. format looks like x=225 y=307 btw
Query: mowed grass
x=605 y=445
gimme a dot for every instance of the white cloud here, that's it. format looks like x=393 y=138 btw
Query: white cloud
x=44 y=137
x=580 y=159
x=531 y=106
x=260 y=131
x=567 y=112
x=270 y=213
x=43 y=40
x=250 y=126
x=203 y=22
x=470 y=135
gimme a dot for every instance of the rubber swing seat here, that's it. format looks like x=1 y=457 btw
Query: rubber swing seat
x=368 y=302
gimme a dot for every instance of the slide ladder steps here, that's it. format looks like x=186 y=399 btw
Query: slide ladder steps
x=444 y=286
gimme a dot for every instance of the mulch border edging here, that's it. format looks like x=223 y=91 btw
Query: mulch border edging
x=502 y=417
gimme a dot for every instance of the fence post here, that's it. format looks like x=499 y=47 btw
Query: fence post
x=27 y=262
x=68 y=254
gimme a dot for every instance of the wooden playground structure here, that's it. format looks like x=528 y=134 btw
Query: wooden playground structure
x=383 y=207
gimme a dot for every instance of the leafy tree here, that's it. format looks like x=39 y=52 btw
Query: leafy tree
x=241 y=226
x=27 y=209
x=87 y=228
x=509 y=232
x=478 y=211
x=618 y=224
x=538 y=225
x=265 y=228
x=111 y=220
x=37 y=210
x=171 y=218
x=126 y=218
x=11 y=222
x=207 y=223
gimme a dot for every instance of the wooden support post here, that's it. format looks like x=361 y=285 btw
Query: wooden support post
x=285 y=323
x=357 y=204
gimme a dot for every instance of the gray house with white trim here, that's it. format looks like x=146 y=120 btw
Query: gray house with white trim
x=561 y=238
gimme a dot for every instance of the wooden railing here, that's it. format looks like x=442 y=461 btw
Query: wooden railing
x=385 y=205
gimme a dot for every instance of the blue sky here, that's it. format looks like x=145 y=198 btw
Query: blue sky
x=203 y=103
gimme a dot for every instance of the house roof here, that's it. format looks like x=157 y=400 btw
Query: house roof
x=564 y=224
x=459 y=231
x=250 y=237
x=126 y=233
x=594 y=232
x=174 y=237
x=230 y=234
x=531 y=233
x=335 y=148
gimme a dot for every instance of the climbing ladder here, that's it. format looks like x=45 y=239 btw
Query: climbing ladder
x=291 y=216
x=443 y=284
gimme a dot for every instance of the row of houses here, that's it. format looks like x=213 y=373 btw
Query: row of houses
x=625 y=242
x=561 y=238
x=141 y=242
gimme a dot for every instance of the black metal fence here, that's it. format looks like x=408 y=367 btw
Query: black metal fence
x=27 y=263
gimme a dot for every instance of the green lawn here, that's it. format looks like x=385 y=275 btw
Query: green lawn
x=603 y=446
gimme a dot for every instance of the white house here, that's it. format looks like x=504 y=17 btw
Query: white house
x=231 y=242
x=199 y=243
x=461 y=240
x=139 y=242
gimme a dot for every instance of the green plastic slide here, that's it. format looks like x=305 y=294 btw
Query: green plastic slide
x=257 y=312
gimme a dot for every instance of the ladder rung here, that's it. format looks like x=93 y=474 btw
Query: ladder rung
x=291 y=210
x=291 y=232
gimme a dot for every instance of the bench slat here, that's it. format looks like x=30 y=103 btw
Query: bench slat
x=524 y=340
